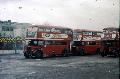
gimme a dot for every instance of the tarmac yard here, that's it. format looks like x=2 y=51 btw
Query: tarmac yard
x=15 y=66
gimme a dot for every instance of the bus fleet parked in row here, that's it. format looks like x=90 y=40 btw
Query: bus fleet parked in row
x=46 y=41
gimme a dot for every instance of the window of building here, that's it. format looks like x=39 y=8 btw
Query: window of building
x=5 y=28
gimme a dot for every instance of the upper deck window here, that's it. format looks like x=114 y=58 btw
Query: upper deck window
x=87 y=33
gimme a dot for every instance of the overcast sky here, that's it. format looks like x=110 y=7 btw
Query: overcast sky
x=82 y=14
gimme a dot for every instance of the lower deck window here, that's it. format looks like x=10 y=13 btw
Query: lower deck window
x=55 y=43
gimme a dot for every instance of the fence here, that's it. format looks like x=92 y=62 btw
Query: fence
x=11 y=52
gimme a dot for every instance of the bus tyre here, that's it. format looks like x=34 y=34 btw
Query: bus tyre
x=115 y=55
x=65 y=53
x=26 y=55
x=38 y=54
x=102 y=54
x=82 y=52
x=98 y=51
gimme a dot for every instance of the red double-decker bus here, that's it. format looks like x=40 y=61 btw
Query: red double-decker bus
x=86 y=42
x=110 y=42
x=45 y=41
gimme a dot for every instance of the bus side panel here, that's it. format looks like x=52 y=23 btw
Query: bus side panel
x=54 y=49
x=91 y=49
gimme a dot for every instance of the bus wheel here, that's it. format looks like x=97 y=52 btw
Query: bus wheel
x=102 y=54
x=26 y=55
x=38 y=54
x=65 y=53
x=115 y=55
x=82 y=52
x=98 y=51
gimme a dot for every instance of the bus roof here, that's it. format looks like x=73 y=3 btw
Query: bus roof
x=112 y=29
x=85 y=30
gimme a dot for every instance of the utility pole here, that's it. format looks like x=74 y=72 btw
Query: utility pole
x=15 y=47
